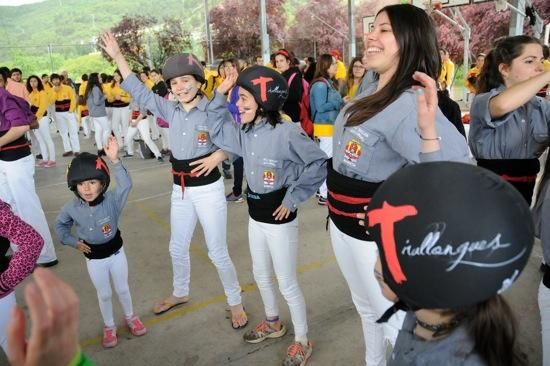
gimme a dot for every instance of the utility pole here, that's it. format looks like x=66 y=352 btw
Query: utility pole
x=208 y=35
x=351 y=24
x=265 y=36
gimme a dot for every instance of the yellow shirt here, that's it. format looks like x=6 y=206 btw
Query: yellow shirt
x=208 y=86
x=546 y=65
x=50 y=93
x=39 y=99
x=81 y=92
x=117 y=90
x=474 y=72
x=353 y=90
x=65 y=93
x=149 y=84
x=341 y=71
x=447 y=73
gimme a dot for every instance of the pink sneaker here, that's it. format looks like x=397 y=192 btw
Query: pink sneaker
x=136 y=326
x=109 y=337
x=50 y=164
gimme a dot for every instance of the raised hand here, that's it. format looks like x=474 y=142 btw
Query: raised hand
x=111 y=149
x=228 y=82
x=426 y=104
x=110 y=45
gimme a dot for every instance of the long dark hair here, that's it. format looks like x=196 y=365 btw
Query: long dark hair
x=272 y=117
x=350 y=78
x=40 y=86
x=324 y=62
x=93 y=80
x=113 y=83
x=503 y=52
x=416 y=37
x=492 y=326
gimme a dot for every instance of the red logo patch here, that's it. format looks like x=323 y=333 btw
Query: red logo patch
x=352 y=151
x=269 y=178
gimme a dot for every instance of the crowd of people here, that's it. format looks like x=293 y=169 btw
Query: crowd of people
x=426 y=240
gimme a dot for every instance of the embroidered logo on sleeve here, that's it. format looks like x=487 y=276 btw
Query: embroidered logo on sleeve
x=202 y=138
x=352 y=151
x=269 y=178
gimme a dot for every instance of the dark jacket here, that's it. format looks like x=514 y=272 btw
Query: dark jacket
x=291 y=106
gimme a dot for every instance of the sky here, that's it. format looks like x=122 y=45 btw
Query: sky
x=17 y=2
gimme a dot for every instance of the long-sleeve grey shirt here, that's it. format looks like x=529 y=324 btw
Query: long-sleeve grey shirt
x=188 y=131
x=95 y=224
x=96 y=103
x=521 y=134
x=375 y=149
x=274 y=157
x=541 y=211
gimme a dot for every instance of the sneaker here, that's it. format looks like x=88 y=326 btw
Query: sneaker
x=317 y=194
x=136 y=326
x=263 y=331
x=322 y=201
x=160 y=159
x=231 y=197
x=50 y=164
x=297 y=354
x=68 y=153
x=39 y=156
x=227 y=174
x=109 y=337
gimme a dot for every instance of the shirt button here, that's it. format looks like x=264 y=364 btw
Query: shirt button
x=186 y=119
x=251 y=153
x=252 y=173
x=255 y=135
x=91 y=229
x=184 y=134
x=523 y=121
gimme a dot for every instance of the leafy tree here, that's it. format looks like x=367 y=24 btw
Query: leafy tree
x=94 y=62
x=170 y=39
x=236 y=26
x=309 y=27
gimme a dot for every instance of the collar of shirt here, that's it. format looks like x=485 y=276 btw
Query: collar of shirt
x=201 y=106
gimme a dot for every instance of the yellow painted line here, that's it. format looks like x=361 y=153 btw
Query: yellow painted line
x=157 y=219
x=194 y=307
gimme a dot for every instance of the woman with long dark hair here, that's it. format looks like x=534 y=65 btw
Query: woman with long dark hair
x=39 y=101
x=325 y=103
x=508 y=122
x=95 y=101
x=120 y=104
x=285 y=64
x=356 y=72
x=375 y=136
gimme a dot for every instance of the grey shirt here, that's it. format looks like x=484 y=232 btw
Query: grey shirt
x=375 y=149
x=540 y=210
x=274 y=157
x=188 y=131
x=521 y=134
x=96 y=103
x=95 y=224
x=453 y=350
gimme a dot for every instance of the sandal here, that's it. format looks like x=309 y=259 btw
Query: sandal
x=238 y=318
x=168 y=304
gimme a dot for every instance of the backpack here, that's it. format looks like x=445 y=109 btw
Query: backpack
x=305 y=121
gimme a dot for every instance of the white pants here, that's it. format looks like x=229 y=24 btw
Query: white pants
x=274 y=248
x=6 y=305
x=85 y=122
x=544 y=307
x=35 y=145
x=47 y=148
x=325 y=144
x=356 y=259
x=208 y=204
x=120 y=122
x=115 y=268
x=143 y=127
x=165 y=137
x=68 y=129
x=102 y=131
x=155 y=133
x=18 y=190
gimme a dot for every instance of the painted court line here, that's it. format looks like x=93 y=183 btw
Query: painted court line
x=194 y=307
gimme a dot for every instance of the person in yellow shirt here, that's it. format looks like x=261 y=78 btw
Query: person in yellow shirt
x=65 y=105
x=51 y=96
x=355 y=75
x=341 y=73
x=105 y=81
x=39 y=101
x=471 y=77
x=119 y=100
x=208 y=86
x=447 y=73
x=82 y=111
x=144 y=77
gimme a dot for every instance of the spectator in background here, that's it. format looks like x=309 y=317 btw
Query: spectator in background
x=309 y=71
x=340 y=69
x=356 y=72
x=471 y=77
x=446 y=76
x=16 y=74
x=293 y=76
x=14 y=88
x=259 y=61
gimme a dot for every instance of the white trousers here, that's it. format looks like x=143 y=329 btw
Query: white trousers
x=18 y=190
x=165 y=137
x=274 y=248
x=115 y=268
x=325 y=144
x=356 y=259
x=143 y=128
x=544 y=307
x=155 y=133
x=68 y=129
x=120 y=122
x=86 y=123
x=102 y=131
x=6 y=305
x=42 y=133
x=207 y=204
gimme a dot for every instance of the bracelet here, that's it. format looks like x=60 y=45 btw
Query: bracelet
x=438 y=138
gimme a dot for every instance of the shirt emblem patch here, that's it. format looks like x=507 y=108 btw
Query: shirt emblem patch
x=202 y=138
x=352 y=151
x=106 y=229
x=269 y=178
